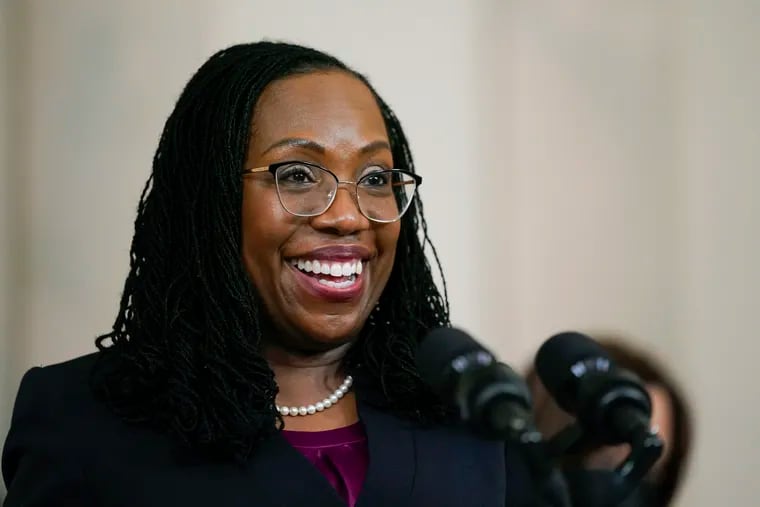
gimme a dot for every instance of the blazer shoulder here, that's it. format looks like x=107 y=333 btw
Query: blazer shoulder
x=53 y=391
x=41 y=457
x=57 y=388
x=66 y=372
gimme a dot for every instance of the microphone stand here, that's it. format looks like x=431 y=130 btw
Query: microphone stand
x=549 y=486
x=502 y=419
x=646 y=448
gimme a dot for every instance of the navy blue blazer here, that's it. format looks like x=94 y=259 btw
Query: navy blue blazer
x=64 y=448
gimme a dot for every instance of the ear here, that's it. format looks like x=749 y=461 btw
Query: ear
x=662 y=416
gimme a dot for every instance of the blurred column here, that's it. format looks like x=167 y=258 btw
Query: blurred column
x=719 y=233
x=11 y=225
x=577 y=201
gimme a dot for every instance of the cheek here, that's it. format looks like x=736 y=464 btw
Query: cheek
x=387 y=237
x=264 y=229
x=387 y=240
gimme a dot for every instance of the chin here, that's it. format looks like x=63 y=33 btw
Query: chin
x=333 y=330
x=333 y=338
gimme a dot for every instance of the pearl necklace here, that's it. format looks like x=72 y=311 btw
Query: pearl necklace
x=320 y=405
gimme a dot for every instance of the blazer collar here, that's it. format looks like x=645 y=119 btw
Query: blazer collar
x=284 y=475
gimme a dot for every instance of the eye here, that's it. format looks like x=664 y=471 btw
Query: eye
x=376 y=178
x=297 y=173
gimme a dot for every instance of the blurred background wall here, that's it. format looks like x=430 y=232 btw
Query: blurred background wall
x=587 y=164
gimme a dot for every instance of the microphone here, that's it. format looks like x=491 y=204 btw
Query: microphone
x=492 y=399
x=610 y=403
x=611 y=406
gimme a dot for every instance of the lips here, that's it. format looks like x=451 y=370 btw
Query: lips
x=334 y=273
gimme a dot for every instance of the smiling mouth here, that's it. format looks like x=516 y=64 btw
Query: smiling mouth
x=331 y=274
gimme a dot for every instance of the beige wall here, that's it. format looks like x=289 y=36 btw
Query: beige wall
x=587 y=165
x=580 y=115
x=719 y=297
x=629 y=140
x=6 y=282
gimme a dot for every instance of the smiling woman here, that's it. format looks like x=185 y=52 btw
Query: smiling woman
x=264 y=350
x=338 y=117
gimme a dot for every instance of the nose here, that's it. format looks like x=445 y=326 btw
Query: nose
x=343 y=216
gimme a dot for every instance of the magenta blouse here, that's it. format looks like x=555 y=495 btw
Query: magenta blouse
x=340 y=454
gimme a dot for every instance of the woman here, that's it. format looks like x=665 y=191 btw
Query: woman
x=263 y=351
x=670 y=414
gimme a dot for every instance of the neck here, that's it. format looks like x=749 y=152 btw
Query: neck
x=305 y=378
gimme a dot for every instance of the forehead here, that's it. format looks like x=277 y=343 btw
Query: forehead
x=333 y=108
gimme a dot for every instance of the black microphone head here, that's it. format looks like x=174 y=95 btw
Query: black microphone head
x=492 y=399
x=438 y=352
x=562 y=359
x=584 y=381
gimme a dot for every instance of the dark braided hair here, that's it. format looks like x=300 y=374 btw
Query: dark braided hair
x=183 y=355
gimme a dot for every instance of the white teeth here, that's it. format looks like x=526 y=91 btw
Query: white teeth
x=335 y=269
x=338 y=285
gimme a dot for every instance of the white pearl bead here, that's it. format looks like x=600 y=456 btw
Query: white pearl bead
x=320 y=405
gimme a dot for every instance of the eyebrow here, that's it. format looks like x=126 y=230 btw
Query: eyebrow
x=297 y=142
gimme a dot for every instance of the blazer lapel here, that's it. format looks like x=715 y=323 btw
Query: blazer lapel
x=286 y=477
x=392 y=460
x=282 y=476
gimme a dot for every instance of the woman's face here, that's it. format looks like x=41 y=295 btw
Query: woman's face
x=330 y=119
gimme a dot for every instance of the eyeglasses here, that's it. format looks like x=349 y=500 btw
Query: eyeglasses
x=308 y=190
